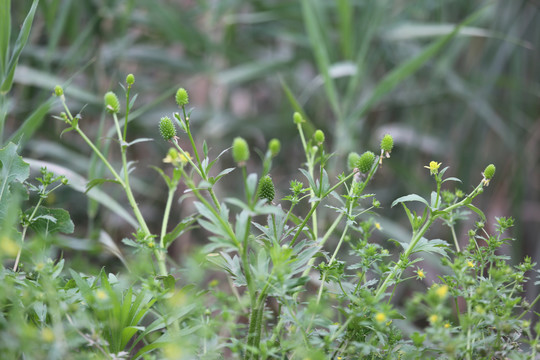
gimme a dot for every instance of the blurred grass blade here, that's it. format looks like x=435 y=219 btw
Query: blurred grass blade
x=7 y=81
x=396 y=76
x=321 y=53
x=5 y=33
x=296 y=105
x=32 y=123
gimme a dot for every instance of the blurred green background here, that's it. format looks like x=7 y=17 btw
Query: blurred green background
x=357 y=69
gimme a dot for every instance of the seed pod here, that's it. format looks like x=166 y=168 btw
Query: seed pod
x=167 y=128
x=58 y=91
x=489 y=171
x=112 y=104
x=387 y=143
x=297 y=118
x=319 y=136
x=240 y=151
x=366 y=162
x=266 y=189
x=352 y=160
x=182 y=97
x=274 y=146
x=130 y=79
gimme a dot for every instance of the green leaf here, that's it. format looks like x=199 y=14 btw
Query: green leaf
x=410 y=197
x=96 y=182
x=5 y=33
x=181 y=228
x=12 y=170
x=7 y=81
x=477 y=210
x=49 y=221
x=32 y=123
x=435 y=246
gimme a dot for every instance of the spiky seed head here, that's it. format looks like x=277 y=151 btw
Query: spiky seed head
x=387 y=143
x=182 y=97
x=366 y=162
x=266 y=189
x=240 y=151
x=297 y=117
x=112 y=104
x=130 y=79
x=489 y=171
x=352 y=160
x=274 y=146
x=167 y=128
x=319 y=136
x=58 y=91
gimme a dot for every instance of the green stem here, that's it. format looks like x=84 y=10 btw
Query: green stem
x=25 y=228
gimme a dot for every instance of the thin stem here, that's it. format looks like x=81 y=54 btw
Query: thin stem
x=25 y=228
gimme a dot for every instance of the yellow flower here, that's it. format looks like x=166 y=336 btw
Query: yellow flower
x=47 y=335
x=433 y=167
x=470 y=264
x=420 y=274
x=101 y=295
x=441 y=291
x=176 y=158
x=447 y=325
x=433 y=318
x=378 y=226
x=380 y=317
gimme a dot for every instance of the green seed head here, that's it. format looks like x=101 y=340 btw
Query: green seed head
x=366 y=162
x=266 y=189
x=112 y=104
x=274 y=146
x=130 y=79
x=319 y=136
x=58 y=91
x=240 y=151
x=352 y=160
x=297 y=118
x=387 y=143
x=167 y=128
x=182 y=97
x=489 y=171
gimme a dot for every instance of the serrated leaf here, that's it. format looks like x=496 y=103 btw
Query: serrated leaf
x=436 y=246
x=410 y=197
x=46 y=226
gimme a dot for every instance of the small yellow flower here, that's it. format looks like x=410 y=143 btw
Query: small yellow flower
x=420 y=274
x=447 y=325
x=101 y=295
x=433 y=167
x=380 y=317
x=47 y=335
x=433 y=318
x=176 y=158
x=378 y=226
x=441 y=291
x=470 y=264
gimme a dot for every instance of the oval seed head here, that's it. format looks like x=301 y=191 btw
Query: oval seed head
x=266 y=189
x=319 y=136
x=274 y=146
x=130 y=79
x=182 y=97
x=167 y=128
x=112 y=104
x=387 y=143
x=297 y=118
x=489 y=171
x=352 y=160
x=366 y=162
x=58 y=91
x=240 y=151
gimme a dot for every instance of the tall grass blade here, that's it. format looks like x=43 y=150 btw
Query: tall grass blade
x=5 y=33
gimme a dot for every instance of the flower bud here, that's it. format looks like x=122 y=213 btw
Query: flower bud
x=266 y=189
x=319 y=136
x=130 y=79
x=274 y=146
x=489 y=171
x=182 y=97
x=167 y=128
x=352 y=160
x=240 y=151
x=387 y=143
x=58 y=91
x=297 y=118
x=366 y=162
x=112 y=104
